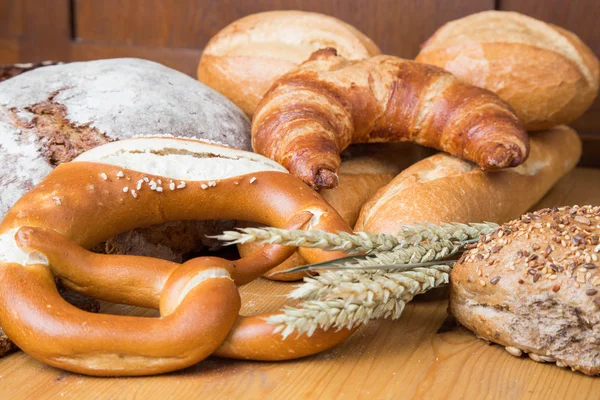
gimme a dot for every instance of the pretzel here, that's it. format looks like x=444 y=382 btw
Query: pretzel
x=140 y=182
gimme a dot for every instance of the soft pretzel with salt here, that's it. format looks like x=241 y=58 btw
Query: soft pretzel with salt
x=140 y=182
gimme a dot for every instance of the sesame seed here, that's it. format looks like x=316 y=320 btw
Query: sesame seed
x=172 y=185
x=57 y=200
x=159 y=182
x=212 y=184
x=159 y=189
x=495 y=280
x=583 y=220
x=252 y=180
x=203 y=186
x=482 y=282
x=125 y=189
x=134 y=194
x=146 y=179
x=120 y=174
x=139 y=184
x=181 y=185
x=104 y=176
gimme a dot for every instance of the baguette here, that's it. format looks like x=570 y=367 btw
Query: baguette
x=442 y=188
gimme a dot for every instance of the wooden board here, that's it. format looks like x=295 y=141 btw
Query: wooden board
x=417 y=357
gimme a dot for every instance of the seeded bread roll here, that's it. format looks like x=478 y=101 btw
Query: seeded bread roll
x=546 y=73
x=442 y=188
x=533 y=287
x=243 y=60
x=51 y=115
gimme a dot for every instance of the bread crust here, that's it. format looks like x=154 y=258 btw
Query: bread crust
x=243 y=60
x=546 y=73
x=442 y=188
x=533 y=287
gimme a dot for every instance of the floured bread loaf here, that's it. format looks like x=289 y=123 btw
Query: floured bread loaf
x=533 y=286
x=51 y=115
x=8 y=71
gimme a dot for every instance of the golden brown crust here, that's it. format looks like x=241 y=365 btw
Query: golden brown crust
x=243 y=60
x=546 y=73
x=533 y=286
x=313 y=113
x=442 y=188
x=84 y=202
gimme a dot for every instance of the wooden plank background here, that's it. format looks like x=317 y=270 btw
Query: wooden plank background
x=173 y=32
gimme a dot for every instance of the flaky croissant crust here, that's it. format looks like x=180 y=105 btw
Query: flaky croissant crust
x=314 y=112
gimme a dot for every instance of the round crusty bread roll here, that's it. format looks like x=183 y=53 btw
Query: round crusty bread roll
x=365 y=169
x=546 y=73
x=442 y=188
x=245 y=57
x=533 y=286
x=52 y=114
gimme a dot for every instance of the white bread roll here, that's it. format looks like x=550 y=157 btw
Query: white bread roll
x=546 y=73
x=443 y=188
x=245 y=57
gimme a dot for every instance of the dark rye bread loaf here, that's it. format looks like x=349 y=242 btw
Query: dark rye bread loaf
x=51 y=115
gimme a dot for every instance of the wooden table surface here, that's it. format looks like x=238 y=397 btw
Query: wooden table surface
x=420 y=356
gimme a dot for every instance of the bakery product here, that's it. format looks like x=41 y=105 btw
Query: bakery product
x=314 y=112
x=546 y=73
x=50 y=115
x=243 y=60
x=8 y=71
x=533 y=286
x=442 y=188
x=140 y=182
x=365 y=169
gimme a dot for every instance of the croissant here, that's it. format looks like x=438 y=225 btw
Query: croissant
x=310 y=115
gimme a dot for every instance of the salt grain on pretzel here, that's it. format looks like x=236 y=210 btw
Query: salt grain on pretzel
x=198 y=300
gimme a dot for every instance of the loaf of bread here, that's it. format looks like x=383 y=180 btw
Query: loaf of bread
x=364 y=170
x=533 y=286
x=243 y=60
x=442 y=188
x=546 y=73
x=52 y=114
x=8 y=71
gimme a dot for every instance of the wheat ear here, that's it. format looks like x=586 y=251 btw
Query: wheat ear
x=345 y=299
x=359 y=241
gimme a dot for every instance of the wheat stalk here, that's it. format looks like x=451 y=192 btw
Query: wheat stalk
x=357 y=242
x=345 y=299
